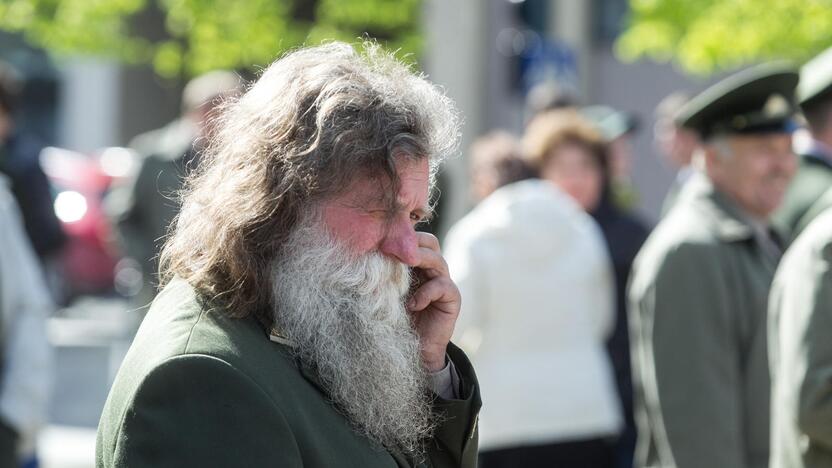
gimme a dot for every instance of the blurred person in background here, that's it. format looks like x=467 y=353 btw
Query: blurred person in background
x=699 y=289
x=572 y=154
x=538 y=307
x=549 y=95
x=800 y=350
x=20 y=163
x=674 y=143
x=618 y=129
x=495 y=161
x=145 y=206
x=26 y=370
x=814 y=174
x=304 y=321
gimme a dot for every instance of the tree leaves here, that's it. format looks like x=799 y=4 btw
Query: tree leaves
x=706 y=36
x=202 y=35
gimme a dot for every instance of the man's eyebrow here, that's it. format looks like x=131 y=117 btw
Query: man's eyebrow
x=425 y=212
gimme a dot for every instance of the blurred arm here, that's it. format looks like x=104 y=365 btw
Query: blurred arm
x=26 y=304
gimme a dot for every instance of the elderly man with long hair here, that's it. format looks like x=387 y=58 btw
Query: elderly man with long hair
x=304 y=321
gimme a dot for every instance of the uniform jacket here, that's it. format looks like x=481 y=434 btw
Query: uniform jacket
x=537 y=307
x=813 y=178
x=200 y=389
x=800 y=349
x=698 y=302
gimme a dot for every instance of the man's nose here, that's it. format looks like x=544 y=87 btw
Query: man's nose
x=401 y=243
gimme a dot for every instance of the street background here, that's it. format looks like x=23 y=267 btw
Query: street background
x=89 y=86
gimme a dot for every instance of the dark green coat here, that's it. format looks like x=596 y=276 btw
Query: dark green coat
x=698 y=308
x=813 y=178
x=800 y=346
x=200 y=389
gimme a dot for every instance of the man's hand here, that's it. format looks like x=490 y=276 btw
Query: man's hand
x=434 y=302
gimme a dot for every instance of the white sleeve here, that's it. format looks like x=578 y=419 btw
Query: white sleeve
x=462 y=264
x=25 y=302
x=604 y=300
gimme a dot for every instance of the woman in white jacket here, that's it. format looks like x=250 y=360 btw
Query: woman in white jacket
x=537 y=306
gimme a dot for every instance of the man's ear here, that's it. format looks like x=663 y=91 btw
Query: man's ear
x=709 y=156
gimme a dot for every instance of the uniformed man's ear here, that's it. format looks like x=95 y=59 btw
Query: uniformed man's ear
x=710 y=157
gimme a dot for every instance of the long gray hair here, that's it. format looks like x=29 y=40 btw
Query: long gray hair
x=317 y=119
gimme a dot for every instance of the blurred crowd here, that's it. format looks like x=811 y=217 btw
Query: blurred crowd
x=599 y=340
x=602 y=341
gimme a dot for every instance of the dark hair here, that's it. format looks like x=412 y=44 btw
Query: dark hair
x=818 y=112
x=498 y=153
x=10 y=87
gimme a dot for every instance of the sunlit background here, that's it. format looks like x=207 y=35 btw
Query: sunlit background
x=99 y=72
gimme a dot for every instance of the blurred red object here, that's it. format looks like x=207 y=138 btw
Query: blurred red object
x=80 y=183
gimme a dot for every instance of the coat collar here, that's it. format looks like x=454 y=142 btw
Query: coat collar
x=277 y=337
x=729 y=223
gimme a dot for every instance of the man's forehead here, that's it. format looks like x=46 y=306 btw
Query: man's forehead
x=758 y=138
x=413 y=187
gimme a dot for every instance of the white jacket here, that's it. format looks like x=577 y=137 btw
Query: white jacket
x=24 y=306
x=537 y=305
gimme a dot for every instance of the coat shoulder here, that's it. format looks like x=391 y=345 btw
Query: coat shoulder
x=183 y=342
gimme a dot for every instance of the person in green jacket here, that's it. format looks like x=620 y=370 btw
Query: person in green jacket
x=699 y=287
x=304 y=321
x=800 y=351
x=814 y=174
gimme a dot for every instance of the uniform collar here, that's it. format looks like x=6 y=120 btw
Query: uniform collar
x=729 y=222
x=276 y=336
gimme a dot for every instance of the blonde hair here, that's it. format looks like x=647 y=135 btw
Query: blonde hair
x=550 y=130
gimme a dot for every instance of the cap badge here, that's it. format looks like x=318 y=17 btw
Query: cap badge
x=776 y=105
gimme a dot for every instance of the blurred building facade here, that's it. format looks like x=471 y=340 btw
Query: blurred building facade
x=486 y=53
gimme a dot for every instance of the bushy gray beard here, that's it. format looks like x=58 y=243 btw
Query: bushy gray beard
x=347 y=318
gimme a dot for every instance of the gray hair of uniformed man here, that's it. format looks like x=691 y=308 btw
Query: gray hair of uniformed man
x=249 y=234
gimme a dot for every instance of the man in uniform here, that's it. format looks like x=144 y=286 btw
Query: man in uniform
x=305 y=322
x=699 y=287
x=800 y=351
x=814 y=175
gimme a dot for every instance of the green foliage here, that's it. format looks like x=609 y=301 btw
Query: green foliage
x=202 y=35
x=705 y=36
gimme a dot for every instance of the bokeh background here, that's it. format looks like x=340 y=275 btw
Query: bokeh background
x=99 y=72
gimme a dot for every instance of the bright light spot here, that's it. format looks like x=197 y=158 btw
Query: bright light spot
x=516 y=1
x=116 y=162
x=70 y=206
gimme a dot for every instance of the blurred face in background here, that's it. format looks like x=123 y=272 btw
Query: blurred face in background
x=676 y=144
x=754 y=170
x=574 y=169
x=5 y=124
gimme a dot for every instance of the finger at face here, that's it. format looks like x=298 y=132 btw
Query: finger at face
x=438 y=290
x=428 y=240
x=432 y=263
